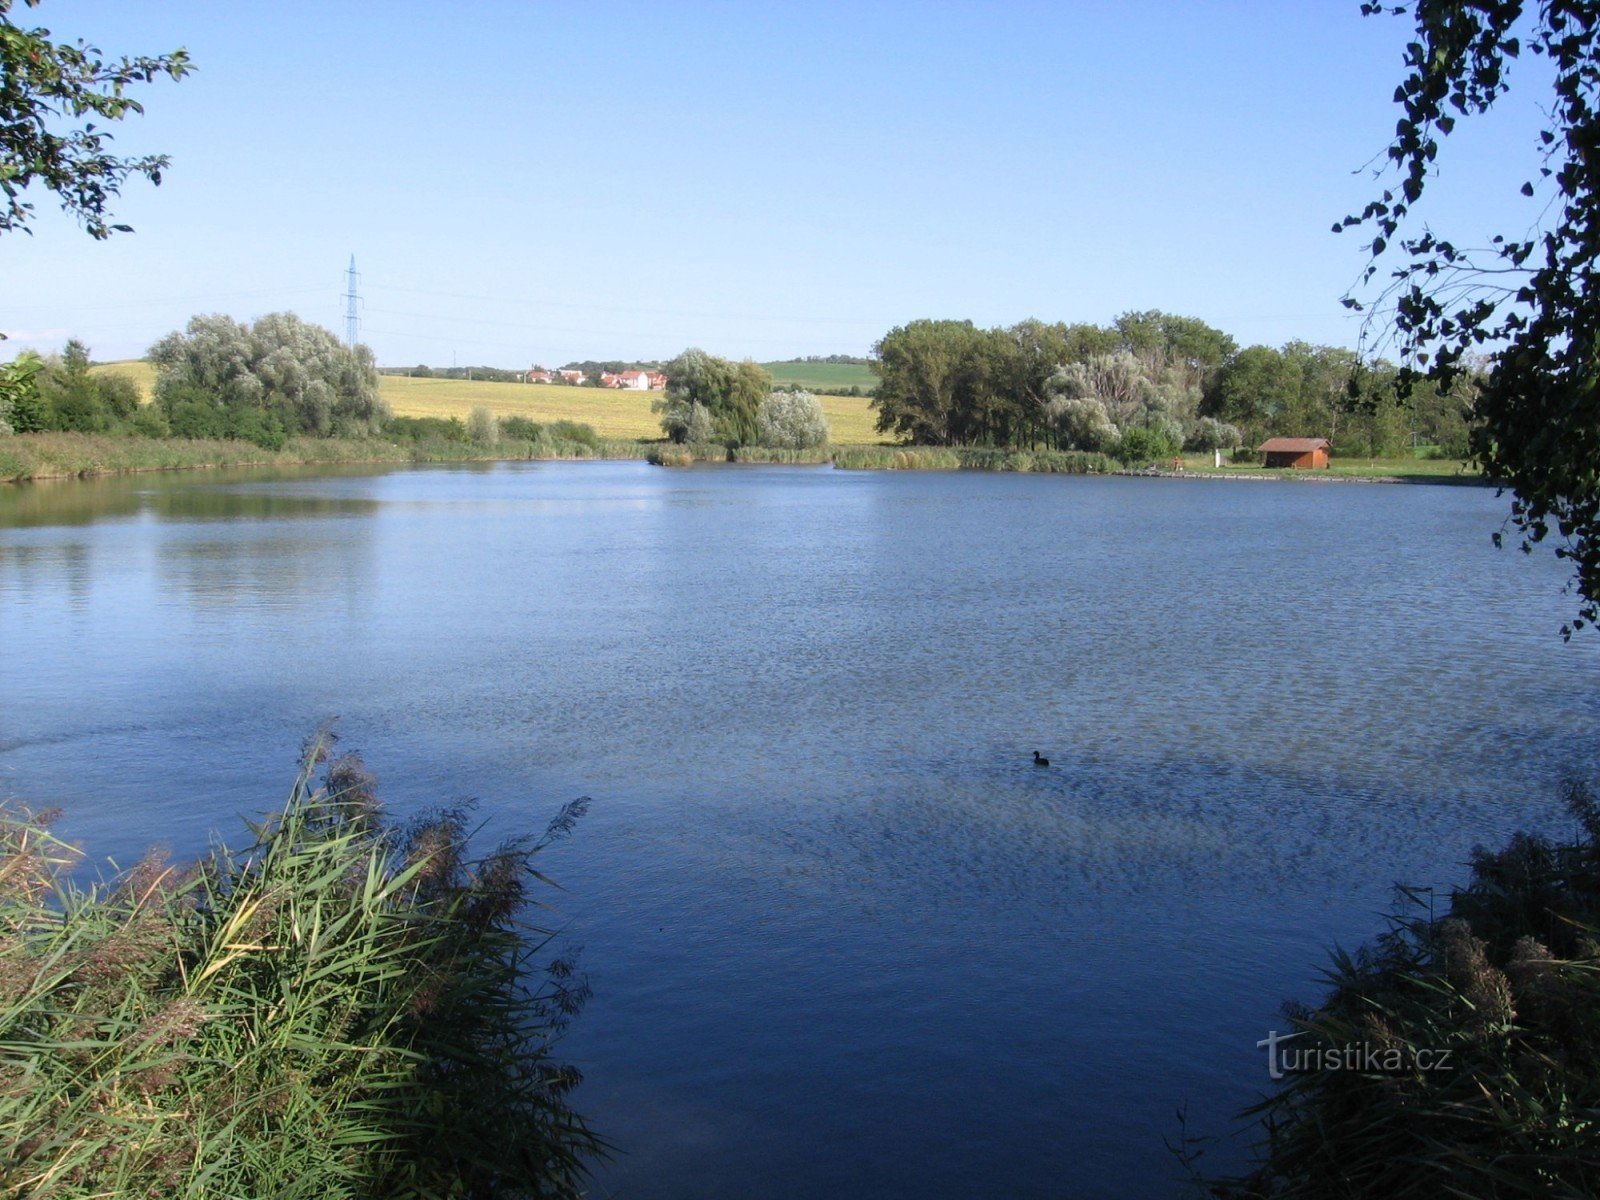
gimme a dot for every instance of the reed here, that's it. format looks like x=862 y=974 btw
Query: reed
x=25 y=457
x=776 y=454
x=896 y=458
x=686 y=454
x=344 y=1008
x=969 y=458
x=1483 y=1077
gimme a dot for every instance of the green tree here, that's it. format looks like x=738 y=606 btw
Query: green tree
x=72 y=395
x=1256 y=390
x=119 y=394
x=929 y=372
x=304 y=377
x=52 y=101
x=21 y=407
x=1533 y=295
x=51 y=96
x=730 y=393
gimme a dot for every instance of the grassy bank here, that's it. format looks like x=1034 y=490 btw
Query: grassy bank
x=1406 y=466
x=67 y=455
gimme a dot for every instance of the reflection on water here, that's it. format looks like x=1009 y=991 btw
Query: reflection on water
x=845 y=938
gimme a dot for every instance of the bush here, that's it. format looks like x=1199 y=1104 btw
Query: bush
x=572 y=431
x=149 y=421
x=1509 y=987
x=260 y=427
x=192 y=413
x=1209 y=433
x=481 y=427
x=425 y=429
x=791 y=420
x=1141 y=445
x=119 y=394
x=520 y=429
x=339 y=1010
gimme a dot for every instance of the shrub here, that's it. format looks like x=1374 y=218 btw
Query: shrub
x=1209 y=433
x=1143 y=445
x=149 y=421
x=572 y=431
x=1509 y=986
x=340 y=1009
x=261 y=427
x=520 y=429
x=120 y=395
x=424 y=429
x=791 y=420
x=481 y=427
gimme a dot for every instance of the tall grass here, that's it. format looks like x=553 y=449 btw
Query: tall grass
x=67 y=455
x=343 y=1008
x=777 y=454
x=686 y=454
x=64 y=455
x=1507 y=988
x=896 y=458
x=971 y=458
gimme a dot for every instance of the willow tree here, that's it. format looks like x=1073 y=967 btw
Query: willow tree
x=706 y=391
x=279 y=377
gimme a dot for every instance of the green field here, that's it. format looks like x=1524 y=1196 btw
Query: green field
x=821 y=377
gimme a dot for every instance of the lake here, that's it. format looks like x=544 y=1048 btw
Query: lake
x=845 y=939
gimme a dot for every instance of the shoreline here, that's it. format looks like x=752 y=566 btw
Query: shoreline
x=1289 y=475
x=57 y=457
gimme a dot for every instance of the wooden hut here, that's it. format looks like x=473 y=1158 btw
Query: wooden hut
x=1303 y=454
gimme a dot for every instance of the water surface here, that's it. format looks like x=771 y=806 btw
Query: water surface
x=845 y=939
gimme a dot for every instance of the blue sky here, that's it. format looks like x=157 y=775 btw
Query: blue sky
x=540 y=182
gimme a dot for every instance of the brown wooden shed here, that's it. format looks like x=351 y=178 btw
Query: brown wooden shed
x=1300 y=453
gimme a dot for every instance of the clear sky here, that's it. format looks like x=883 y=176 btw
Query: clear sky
x=528 y=182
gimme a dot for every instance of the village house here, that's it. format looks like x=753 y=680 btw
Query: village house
x=635 y=381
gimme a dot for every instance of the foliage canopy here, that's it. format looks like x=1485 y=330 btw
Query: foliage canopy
x=51 y=96
x=264 y=382
x=1531 y=298
x=710 y=398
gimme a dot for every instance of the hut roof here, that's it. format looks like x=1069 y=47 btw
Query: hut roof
x=1293 y=445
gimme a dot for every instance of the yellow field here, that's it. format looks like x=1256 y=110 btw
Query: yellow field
x=136 y=369
x=613 y=414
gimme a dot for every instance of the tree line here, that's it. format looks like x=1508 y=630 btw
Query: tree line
x=217 y=378
x=1151 y=383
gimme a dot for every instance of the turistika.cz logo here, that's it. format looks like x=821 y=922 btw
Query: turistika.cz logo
x=1363 y=1057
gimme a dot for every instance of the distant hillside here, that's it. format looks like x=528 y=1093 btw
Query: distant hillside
x=836 y=378
x=136 y=369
